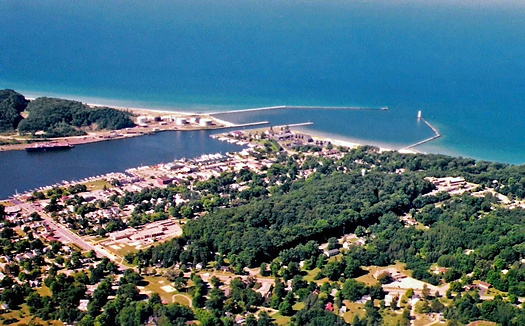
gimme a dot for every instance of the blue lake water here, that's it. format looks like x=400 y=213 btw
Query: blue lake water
x=21 y=171
x=462 y=63
x=389 y=129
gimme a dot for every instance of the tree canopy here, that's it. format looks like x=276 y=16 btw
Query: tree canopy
x=11 y=105
x=59 y=117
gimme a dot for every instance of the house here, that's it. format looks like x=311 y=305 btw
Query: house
x=83 y=305
x=388 y=300
x=122 y=234
x=364 y=299
x=4 y=307
x=34 y=284
x=152 y=321
x=283 y=136
x=236 y=133
x=164 y=180
x=226 y=269
x=329 y=306
x=470 y=287
x=484 y=285
x=331 y=253
x=239 y=320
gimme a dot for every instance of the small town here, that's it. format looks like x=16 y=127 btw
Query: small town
x=262 y=163
x=89 y=235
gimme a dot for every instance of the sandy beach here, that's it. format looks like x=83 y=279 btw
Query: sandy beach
x=155 y=126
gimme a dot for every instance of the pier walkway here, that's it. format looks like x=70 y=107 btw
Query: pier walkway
x=288 y=107
x=436 y=135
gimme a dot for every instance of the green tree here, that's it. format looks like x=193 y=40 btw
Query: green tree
x=11 y=105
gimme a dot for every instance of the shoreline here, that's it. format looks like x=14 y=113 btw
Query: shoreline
x=216 y=123
x=319 y=136
x=140 y=130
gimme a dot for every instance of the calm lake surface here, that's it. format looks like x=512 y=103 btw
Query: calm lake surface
x=460 y=62
x=390 y=129
x=24 y=171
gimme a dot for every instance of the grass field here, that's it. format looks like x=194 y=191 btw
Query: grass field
x=391 y=318
x=369 y=278
x=123 y=249
x=96 y=185
x=424 y=319
x=310 y=275
x=298 y=306
x=182 y=299
x=353 y=309
x=155 y=284
x=21 y=317
x=482 y=323
x=280 y=319
x=44 y=290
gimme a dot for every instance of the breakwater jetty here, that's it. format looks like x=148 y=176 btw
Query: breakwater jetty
x=301 y=124
x=436 y=135
x=288 y=107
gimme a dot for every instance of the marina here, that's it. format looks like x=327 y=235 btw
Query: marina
x=21 y=171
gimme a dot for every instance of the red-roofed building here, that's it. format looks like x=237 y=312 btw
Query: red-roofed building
x=484 y=285
x=164 y=180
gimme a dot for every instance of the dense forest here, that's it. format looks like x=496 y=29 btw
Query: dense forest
x=59 y=118
x=282 y=221
x=469 y=237
x=331 y=201
x=11 y=105
x=317 y=208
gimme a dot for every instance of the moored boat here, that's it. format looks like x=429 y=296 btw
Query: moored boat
x=48 y=147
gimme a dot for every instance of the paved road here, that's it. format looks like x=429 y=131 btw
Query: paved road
x=67 y=236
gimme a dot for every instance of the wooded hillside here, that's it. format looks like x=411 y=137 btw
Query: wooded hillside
x=59 y=118
x=11 y=104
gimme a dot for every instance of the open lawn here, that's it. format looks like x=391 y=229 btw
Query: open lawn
x=369 y=278
x=182 y=299
x=6 y=203
x=96 y=185
x=424 y=319
x=75 y=247
x=280 y=319
x=158 y=284
x=353 y=309
x=391 y=318
x=44 y=290
x=22 y=317
x=482 y=323
x=311 y=275
x=121 y=249
x=298 y=306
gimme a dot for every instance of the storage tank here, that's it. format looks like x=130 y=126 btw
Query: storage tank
x=181 y=121
x=142 y=121
x=205 y=122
